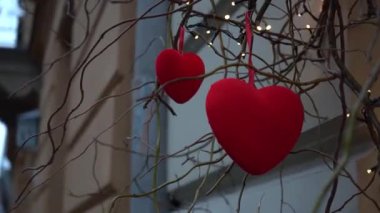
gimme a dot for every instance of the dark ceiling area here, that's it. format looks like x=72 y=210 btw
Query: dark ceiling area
x=17 y=68
x=19 y=65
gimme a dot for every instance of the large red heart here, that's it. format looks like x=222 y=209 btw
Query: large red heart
x=170 y=65
x=256 y=127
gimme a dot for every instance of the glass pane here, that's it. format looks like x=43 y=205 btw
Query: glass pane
x=9 y=21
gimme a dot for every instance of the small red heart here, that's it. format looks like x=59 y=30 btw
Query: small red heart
x=170 y=65
x=256 y=127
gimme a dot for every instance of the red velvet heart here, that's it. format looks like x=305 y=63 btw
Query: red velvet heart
x=256 y=127
x=170 y=65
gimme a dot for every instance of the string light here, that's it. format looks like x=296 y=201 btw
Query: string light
x=196 y=36
x=227 y=17
x=348 y=115
x=369 y=91
x=238 y=43
x=299 y=14
x=208 y=31
x=210 y=44
x=188 y=2
x=243 y=54
x=259 y=28
x=372 y=170
x=308 y=26
x=268 y=27
x=233 y=4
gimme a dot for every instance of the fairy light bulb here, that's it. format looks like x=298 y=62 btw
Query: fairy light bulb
x=227 y=17
x=243 y=54
x=348 y=115
x=268 y=27
x=238 y=44
x=299 y=14
x=308 y=26
x=259 y=28
x=208 y=31
x=196 y=36
x=233 y=4
x=188 y=2
x=369 y=91
x=369 y=171
x=210 y=44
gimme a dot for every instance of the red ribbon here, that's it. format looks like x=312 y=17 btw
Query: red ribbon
x=180 y=39
x=248 y=33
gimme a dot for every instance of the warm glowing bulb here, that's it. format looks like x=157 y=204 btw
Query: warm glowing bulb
x=227 y=17
x=210 y=44
x=259 y=28
x=243 y=54
x=299 y=14
x=268 y=27
x=208 y=31
x=308 y=26
x=196 y=36
x=188 y=2
x=369 y=171
x=369 y=91
x=348 y=115
x=233 y=3
x=238 y=43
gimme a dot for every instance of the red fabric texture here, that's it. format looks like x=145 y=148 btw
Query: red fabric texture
x=256 y=127
x=170 y=65
x=248 y=33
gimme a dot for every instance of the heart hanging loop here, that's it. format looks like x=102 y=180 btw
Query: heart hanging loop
x=180 y=39
x=248 y=33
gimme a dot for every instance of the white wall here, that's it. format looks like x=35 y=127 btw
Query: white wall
x=191 y=121
x=300 y=187
x=300 y=190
